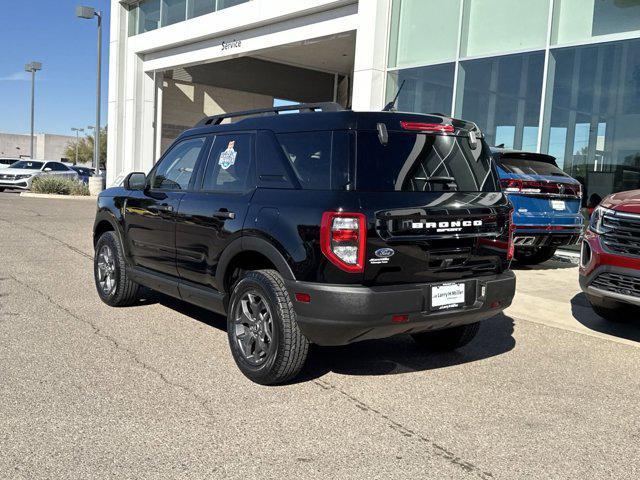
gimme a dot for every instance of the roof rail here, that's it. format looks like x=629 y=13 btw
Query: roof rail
x=302 y=107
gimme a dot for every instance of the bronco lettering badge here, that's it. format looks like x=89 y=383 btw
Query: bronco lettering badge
x=444 y=226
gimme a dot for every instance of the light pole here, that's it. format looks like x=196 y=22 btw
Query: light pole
x=33 y=67
x=77 y=130
x=88 y=13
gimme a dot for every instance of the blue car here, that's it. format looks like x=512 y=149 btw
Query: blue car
x=83 y=173
x=546 y=201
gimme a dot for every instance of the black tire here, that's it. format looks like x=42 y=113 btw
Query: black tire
x=287 y=348
x=1 y=189
x=534 y=256
x=124 y=291
x=447 y=339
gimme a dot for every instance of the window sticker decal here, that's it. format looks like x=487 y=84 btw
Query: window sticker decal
x=228 y=157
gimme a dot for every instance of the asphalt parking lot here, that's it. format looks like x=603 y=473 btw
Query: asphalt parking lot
x=547 y=390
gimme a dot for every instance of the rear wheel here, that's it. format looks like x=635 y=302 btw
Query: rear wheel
x=1 y=189
x=534 y=256
x=447 y=339
x=265 y=340
x=110 y=273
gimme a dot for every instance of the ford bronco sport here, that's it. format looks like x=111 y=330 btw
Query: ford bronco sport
x=325 y=226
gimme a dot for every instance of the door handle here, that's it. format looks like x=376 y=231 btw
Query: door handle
x=224 y=214
x=161 y=208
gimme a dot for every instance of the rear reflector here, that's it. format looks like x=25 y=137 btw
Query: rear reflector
x=511 y=245
x=400 y=318
x=303 y=297
x=428 y=127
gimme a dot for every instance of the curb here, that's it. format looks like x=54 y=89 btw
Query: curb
x=62 y=197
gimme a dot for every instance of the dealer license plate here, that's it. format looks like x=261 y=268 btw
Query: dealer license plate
x=450 y=295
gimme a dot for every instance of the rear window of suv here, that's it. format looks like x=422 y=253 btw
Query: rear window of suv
x=423 y=162
x=519 y=166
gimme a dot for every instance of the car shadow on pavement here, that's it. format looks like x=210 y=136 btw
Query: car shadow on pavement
x=627 y=328
x=389 y=356
x=401 y=354
x=548 y=265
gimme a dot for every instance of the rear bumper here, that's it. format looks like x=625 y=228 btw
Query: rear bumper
x=340 y=314
x=546 y=235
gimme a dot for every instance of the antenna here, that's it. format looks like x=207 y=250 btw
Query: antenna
x=391 y=106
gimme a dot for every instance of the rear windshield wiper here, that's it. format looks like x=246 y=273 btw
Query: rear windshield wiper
x=450 y=182
x=446 y=180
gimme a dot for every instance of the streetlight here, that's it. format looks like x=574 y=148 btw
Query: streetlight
x=88 y=13
x=33 y=67
x=77 y=130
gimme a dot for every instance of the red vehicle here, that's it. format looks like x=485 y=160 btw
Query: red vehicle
x=610 y=259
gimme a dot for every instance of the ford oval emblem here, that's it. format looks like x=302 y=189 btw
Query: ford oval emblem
x=385 y=252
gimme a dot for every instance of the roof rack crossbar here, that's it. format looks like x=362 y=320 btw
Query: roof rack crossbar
x=302 y=107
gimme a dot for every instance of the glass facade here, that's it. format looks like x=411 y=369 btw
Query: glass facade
x=149 y=15
x=496 y=26
x=503 y=95
x=556 y=76
x=412 y=44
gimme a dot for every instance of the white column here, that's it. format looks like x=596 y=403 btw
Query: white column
x=369 y=76
x=115 y=107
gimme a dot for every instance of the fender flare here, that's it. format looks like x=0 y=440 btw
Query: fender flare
x=251 y=244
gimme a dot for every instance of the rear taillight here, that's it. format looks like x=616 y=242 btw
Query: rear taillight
x=343 y=238
x=428 y=127
x=511 y=247
x=530 y=187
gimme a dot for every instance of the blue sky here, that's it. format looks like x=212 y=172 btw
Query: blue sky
x=49 y=32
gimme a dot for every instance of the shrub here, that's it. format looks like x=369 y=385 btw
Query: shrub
x=59 y=186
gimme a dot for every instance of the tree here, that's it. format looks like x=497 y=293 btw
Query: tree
x=85 y=149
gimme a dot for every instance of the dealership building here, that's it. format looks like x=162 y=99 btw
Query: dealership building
x=555 y=76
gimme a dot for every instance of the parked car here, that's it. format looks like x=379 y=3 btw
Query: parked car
x=547 y=204
x=610 y=257
x=83 y=173
x=325 y=227
x=7 y=162
x=20 y=175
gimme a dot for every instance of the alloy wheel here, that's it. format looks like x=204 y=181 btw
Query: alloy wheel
x=106 y=270
x=253 y=324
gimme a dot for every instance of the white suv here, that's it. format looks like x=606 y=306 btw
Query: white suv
x=21 y=174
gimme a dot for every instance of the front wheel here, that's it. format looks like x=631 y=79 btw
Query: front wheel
x=265 y=340
x=534 y=256
x=110 y=273
x=447 y=339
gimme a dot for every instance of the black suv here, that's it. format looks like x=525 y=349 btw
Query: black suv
x=324 y=226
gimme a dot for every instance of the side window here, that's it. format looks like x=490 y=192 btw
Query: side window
x=230 y=163
x=310 y=156
x=176 y=168
x=59 y=167
x=55 y=167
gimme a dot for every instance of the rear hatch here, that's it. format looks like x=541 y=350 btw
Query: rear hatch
x=541 y=193
x=433 y=194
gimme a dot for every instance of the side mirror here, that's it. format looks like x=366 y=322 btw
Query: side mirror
x=135 y=181
x=48 y=169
